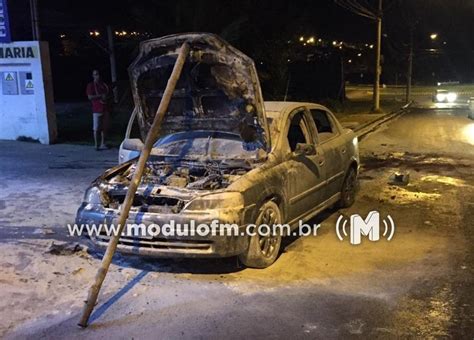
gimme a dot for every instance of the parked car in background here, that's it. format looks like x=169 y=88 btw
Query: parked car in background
x=222 y=154
x=444 y=96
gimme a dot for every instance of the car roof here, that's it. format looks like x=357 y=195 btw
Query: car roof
x=274 y=109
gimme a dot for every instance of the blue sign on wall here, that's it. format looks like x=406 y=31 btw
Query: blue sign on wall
x=5 y=36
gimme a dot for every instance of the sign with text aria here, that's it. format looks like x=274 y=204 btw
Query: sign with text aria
x=23 y=52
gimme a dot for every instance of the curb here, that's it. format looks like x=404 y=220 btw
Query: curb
x=365 y=129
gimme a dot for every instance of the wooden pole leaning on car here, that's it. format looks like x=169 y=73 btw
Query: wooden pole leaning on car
x=136 y=179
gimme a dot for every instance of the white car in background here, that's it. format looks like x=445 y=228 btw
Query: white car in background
x=444 y=96
x=131 y=145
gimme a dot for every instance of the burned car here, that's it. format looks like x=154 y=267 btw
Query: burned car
x=222 y=154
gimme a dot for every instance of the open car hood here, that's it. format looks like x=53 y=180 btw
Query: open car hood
x=218 y=89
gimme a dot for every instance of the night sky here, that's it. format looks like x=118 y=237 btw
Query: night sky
x=451 y=18
x=261 y=29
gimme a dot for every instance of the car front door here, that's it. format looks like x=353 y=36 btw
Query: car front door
x=306 y=170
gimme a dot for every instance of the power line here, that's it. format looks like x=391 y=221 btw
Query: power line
x=356 y=8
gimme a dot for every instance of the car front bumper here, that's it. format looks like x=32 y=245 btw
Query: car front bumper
x=172 y=243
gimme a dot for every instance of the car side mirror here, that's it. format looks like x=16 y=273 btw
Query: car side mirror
x=134 y=144
x=305 y=149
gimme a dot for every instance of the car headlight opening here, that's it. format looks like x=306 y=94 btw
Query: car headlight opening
x=92 y=196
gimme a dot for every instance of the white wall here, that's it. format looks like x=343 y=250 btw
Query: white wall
x=26 y=112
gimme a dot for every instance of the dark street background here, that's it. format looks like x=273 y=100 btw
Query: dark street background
x=269 y=32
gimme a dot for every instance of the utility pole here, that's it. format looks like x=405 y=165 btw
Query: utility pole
x=287 y=86
x=378 y=67
x=342 y=87
x=34 y=19
x=113 y=63
x=410 y=68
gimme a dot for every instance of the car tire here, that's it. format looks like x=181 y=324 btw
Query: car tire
x=349 y=189
x=263 y=250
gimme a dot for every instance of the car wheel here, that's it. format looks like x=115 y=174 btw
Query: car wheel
x=263 y=249
x=349 y=188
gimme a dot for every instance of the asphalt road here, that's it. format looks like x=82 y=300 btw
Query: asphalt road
x=418 y=285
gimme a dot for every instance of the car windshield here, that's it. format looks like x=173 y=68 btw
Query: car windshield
x=205 y=145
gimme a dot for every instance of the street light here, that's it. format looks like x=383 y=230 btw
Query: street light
x=434 y=36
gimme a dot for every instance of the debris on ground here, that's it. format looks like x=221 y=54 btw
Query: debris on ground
x=77 y=271
x=44 y=231
x=66 y=248
x=399 y=178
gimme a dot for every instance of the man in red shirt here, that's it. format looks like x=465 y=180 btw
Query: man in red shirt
x=98 y=92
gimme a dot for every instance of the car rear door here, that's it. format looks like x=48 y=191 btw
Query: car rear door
x=333 y=145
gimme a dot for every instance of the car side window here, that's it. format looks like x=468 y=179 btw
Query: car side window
x=297 y=132
x=324 y=124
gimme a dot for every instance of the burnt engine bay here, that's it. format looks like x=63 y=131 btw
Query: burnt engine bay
x=167 y=186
